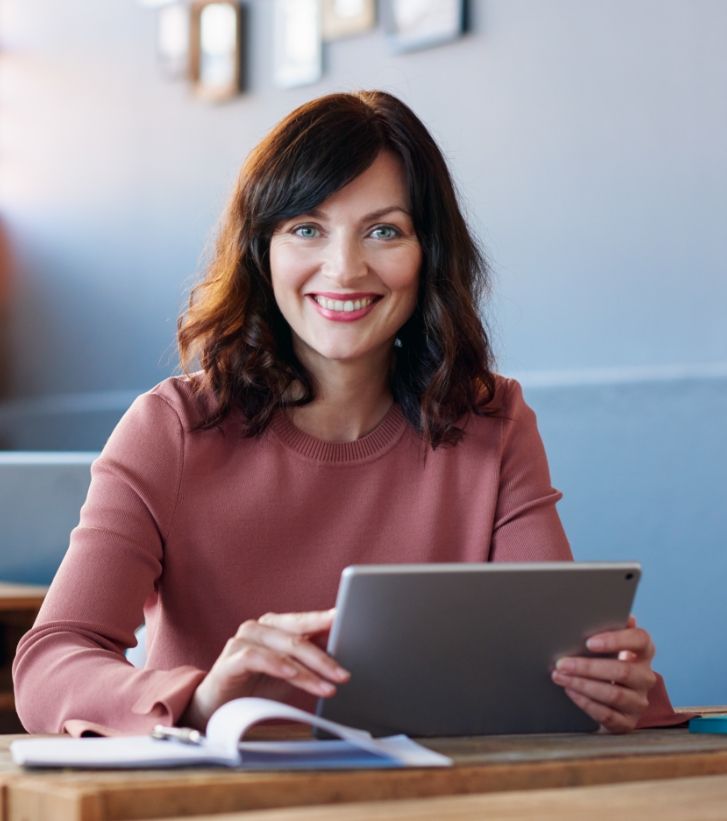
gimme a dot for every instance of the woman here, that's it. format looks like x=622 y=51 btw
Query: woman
x=346 y=411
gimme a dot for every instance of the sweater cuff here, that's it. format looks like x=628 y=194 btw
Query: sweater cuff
x=660 y=712
x=164 y=697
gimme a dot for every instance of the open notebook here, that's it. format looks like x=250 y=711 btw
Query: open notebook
x=222 y=745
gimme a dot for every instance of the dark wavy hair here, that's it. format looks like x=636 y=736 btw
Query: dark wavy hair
x=442 y=369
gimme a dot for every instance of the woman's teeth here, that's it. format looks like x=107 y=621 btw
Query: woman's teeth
x=346 y=306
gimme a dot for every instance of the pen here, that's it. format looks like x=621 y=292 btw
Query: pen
x=185 y=735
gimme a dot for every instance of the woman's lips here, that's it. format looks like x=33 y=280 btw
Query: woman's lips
x=344 y=307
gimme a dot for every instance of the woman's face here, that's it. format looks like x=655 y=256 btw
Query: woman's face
x=345 y=275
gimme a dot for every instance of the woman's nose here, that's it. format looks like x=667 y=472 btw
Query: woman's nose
x=345 y=261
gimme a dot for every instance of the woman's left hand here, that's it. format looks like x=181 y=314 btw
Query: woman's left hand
x=613 y=691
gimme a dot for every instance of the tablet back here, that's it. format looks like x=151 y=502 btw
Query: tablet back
x=467 y=649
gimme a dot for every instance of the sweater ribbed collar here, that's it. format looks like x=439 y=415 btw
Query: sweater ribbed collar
x=383 y=437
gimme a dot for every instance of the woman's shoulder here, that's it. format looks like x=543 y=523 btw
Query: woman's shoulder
x=186 y=395
x=504 y=401
x=507 y=422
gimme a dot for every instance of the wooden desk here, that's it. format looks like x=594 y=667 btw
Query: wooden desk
x=483 y=765
x=680 y=799
x=19 y=605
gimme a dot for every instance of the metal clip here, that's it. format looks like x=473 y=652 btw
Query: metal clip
x=185 y=735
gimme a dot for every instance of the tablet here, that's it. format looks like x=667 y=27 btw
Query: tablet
x=467 y=649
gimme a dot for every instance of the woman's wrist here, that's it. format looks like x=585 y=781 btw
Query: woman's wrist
x=195 y=714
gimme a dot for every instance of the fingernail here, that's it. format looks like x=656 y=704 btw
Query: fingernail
x=596 y=644
x=325 y=687
x=564 y=665
x=341 y=674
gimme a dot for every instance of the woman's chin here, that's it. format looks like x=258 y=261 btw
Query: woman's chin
x=348 y=357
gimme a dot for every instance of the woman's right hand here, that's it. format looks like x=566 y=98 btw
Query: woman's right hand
x=277 y=646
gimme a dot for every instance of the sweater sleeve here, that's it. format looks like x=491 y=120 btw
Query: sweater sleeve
x=527 y=526
x=70 y=673
x=660 y=712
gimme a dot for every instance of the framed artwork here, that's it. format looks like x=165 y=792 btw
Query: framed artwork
x=297 y=49
x=344 y=18
x=215 y=56
x=173 y=40
x=416 y=24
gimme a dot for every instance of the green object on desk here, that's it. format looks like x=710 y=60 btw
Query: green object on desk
x=709 y=724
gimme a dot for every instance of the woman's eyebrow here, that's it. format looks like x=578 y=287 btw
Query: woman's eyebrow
x=373 y=215
x=382 y=212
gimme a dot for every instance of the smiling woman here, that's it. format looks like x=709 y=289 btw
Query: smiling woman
x=371 y=216
x=345 y=412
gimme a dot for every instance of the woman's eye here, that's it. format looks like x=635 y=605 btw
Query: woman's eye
x=306 y=231
x=385 y=232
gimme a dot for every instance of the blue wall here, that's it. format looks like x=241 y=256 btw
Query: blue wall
x=588 y=141
x=643 y=464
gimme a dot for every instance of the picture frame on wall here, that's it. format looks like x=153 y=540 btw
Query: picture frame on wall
x=297 y=46
x=215 y=56
x=173 y=40
x=346 y=18
x=419 y=24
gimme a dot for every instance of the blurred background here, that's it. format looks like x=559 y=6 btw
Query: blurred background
x=589 y=144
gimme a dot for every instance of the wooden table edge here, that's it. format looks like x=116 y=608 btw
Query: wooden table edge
x=32 y=796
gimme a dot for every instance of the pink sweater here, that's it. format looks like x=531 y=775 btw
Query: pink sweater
x=194 y=532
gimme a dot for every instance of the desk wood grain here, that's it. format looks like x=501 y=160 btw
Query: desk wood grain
x=482 y=765
x=681 y=799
